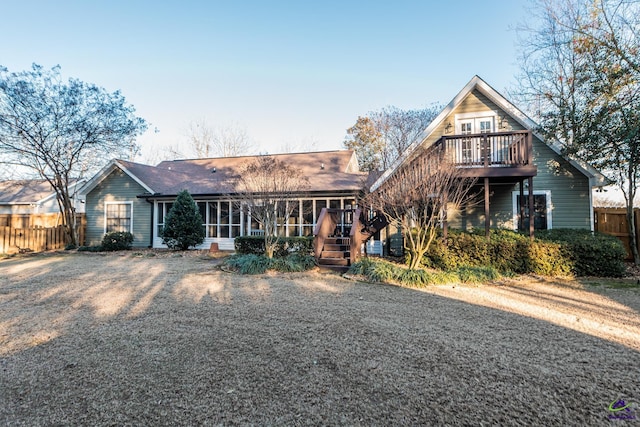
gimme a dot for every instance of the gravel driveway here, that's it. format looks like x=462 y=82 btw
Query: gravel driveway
x=134 y=339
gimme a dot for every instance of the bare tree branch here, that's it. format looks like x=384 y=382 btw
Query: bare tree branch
x=62 y=130
x=270 y=190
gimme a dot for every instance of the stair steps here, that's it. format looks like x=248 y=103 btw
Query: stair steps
x=335 y=254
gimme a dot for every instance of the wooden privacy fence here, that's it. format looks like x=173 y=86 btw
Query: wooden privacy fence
x=613 y=221
x=37 y=239
x=32 y=239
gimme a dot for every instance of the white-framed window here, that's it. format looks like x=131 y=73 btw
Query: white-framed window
x=476 y=122
x=542 y=210
x=118 y=216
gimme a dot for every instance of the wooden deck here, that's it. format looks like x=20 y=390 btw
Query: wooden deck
x=490 y=155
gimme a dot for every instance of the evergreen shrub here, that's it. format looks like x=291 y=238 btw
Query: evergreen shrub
x=183 y=224
x=117 y=241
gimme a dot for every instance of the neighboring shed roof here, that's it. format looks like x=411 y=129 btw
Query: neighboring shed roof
x=326 y=171
x=25 y=192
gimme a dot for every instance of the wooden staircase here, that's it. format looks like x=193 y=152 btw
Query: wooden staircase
x=335 y=254
x=339 y=235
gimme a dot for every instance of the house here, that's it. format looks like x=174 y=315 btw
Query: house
x=484 y=134
x=23 y=201
x=127 y=196
x=490 y=139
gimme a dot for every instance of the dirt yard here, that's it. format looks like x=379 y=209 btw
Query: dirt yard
x=135 y=339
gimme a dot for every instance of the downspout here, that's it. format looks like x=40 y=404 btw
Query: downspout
x=591 y=213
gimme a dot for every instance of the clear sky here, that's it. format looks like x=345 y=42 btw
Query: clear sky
x=293 y=73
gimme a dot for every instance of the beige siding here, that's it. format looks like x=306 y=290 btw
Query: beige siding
x=118 y=187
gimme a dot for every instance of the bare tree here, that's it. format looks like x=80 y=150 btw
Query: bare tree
x=299 y=146
x=581 y=77
x=417 y=197
x=380 y=137
x=62 y=130
x=200 y=137
x=205 y=140
x=267 y=187
x=231 y=140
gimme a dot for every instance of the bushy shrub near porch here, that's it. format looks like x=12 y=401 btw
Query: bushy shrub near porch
x=552 y=253
x=594 y=254
x=117 y=241
x=379 y=270
x=258 y=264
x=286 y=245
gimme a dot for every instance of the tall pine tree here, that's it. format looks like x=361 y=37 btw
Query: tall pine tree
x=183 y=224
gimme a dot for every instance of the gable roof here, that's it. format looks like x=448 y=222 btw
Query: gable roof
x=326 y=171
x=27 y=191
x=596 y=178
x=129 y=168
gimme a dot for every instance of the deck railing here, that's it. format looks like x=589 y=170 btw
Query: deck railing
x=507 y=149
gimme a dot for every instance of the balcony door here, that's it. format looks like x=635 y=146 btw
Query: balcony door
x=476 y=125
x=470 y=151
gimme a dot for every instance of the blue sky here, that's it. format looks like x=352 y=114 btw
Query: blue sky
x=294 y=74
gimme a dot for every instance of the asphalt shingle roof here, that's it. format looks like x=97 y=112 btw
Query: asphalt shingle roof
x=326 y=171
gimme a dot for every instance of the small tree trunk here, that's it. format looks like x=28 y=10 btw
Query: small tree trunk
x=633 y=241
x=631 y=223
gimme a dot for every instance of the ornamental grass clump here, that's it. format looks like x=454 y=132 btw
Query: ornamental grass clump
x=259 y=264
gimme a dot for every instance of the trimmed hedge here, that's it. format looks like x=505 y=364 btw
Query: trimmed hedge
x=594 y=254
x=286 y=245
x=552 y=253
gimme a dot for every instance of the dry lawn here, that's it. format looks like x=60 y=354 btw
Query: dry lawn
x=127 y=339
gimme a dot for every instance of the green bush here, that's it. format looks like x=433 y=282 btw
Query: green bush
x=552 y=253
x=549 y=259
x=286 y=245
x=183 y=224
x=117 y=241
x=293 y=263
x=593 y=254
x=249 y=263
x=377 y=270
x=258 y=264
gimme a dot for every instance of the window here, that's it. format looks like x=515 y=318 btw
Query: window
x=118 y=217
x=484 y=125
x=541 y=210
x=307 y=217
x=212 y=227
x=469 y=149
x=294 y=218
x=473 y=123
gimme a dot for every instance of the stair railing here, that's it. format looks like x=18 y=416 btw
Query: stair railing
x=327 y=222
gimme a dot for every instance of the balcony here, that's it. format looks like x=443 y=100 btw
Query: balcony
x=489 y=155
